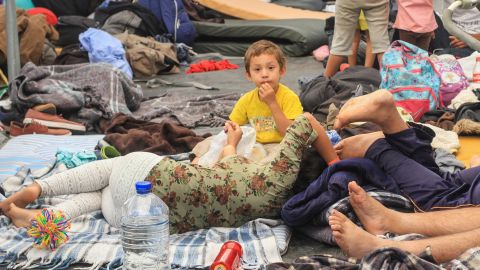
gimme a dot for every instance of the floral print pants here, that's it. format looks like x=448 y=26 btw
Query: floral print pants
x=236 y=189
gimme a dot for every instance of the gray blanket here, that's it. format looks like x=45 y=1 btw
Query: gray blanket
x=208 y=110
x=87 y=91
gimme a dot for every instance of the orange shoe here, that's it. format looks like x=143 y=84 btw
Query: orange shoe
x=53 y=121
x=17 y=129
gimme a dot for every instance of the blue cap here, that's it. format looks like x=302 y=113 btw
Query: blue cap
x=143 y=187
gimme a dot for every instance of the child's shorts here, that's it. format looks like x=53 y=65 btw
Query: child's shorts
x=347 y=19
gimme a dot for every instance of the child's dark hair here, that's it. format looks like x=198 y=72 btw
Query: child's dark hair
x=264 y=47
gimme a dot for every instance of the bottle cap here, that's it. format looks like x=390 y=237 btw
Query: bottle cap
x=143 y=187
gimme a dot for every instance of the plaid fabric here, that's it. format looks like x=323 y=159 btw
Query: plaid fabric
x=319 y=229
x=381 y=259
x=94 y=242
x=388 y=199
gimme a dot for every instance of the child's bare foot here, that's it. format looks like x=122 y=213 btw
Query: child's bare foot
x=374 y=216
x=21 y=217
x=350 y=238
x=475 y=161
x=356 y=146
x=377 y=107
x=23 y=197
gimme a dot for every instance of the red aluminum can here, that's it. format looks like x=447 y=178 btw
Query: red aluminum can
x=229 y=257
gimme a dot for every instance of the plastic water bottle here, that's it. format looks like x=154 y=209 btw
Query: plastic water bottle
x=145 y=231
x=476 y=71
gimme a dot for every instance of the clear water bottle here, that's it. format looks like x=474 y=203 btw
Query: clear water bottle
x=145 y=231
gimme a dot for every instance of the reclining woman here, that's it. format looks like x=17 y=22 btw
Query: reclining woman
x=235 y=191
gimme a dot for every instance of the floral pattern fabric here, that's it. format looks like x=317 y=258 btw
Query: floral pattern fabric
x=236 y=189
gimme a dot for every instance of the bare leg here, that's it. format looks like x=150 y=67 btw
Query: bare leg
x=377 y=107
x=475 y=161
x=333 y=64
x=322 y=144
x=379 y=58
x=352 y=59
x=378 y=219
x=369 y=57
x=21 y=217
x=357 y=242
x=356 y=146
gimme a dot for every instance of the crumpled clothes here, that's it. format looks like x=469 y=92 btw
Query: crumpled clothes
x=75 y=159
x=210 y=65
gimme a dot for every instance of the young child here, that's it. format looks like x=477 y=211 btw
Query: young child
x=369 y=57
x=271 y=106
x=416 y=22
x=346 y=21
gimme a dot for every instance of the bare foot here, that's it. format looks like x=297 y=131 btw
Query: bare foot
x=23 y=197
x=21 y=217
x=475 y=161
x=350 y=238
x=374 y=216
x=377 y=107
x=356 y=146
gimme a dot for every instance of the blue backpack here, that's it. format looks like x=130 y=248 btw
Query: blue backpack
x=172 y=13
x=409 y=75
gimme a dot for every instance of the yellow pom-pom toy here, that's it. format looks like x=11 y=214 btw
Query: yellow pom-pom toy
x=49 y=229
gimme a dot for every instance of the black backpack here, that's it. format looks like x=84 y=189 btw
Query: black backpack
x=140 y=21
x=70 y=27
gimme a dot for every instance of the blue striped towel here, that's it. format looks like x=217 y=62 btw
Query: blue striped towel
x=94 y=242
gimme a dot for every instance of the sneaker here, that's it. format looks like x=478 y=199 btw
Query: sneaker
x=53 y=121
x=46 y=108
x=17 y=129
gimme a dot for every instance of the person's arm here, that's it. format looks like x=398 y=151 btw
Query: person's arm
x=267 y=95
x=234 y=135
x=457 y=43
x=239 y=112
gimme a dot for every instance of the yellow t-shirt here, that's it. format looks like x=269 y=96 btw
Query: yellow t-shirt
x=250 y=109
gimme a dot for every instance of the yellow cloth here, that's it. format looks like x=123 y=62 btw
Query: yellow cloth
x=250 y=109
x=362 y=22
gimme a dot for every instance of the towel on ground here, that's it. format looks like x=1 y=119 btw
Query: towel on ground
x=128 y=135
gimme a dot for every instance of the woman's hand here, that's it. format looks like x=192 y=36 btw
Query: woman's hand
x=234 y=133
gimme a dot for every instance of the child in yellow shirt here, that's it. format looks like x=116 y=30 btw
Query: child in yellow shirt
x=271 y=107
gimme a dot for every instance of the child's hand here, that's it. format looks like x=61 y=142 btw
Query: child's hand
x=234 y=133
x=456 y=43
x=267 y=94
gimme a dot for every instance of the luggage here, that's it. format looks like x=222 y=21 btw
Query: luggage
x=453 y=79
x=409 y=75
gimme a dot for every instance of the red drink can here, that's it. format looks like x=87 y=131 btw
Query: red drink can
x=229 y=257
